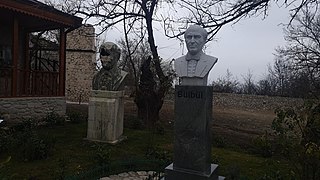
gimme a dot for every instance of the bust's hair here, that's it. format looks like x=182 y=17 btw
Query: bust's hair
x=195 y=27
x=110 y=46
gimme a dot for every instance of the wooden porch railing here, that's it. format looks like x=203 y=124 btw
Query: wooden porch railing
x=29 y=83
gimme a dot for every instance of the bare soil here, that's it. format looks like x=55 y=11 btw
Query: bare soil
x=234 y=125
x=239 y=126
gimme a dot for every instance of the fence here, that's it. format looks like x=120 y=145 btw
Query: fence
x=29 y=83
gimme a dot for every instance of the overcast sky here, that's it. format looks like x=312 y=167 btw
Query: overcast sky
x=247 y=45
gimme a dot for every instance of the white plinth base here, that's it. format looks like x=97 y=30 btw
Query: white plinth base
x=105 y=120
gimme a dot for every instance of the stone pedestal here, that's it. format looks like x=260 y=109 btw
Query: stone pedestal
x=172 y=173
x=192 y=136
x=105 y=121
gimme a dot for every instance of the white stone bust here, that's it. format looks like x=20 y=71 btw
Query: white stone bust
x=110 y=77
x=193 y=68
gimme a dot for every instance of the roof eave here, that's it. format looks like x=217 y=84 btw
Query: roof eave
x=42 y=11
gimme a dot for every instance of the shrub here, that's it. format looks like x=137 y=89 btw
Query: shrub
x=263 y=145
x=5 y=141
x=24 y=125
x=31 y=146
x=28 y=144
x=8 y=136
x=76 y=117
x=3 y=168
x=102 y=156
x=156 y=153
x=53 y=119
x=297 y=137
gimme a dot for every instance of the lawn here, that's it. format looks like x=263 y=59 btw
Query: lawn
x=72 y=156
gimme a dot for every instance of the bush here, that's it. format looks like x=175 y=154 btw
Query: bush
x=297 y=137
x=102 y=155
x=54 y=119
x=27 y=143
x=3 y=168
x=156 y=153
x=76 y=117
x=8 y=136
x=263 y=145
x=31 y=146
x=5 y=141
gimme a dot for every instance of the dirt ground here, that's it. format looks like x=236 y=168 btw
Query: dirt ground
x=234 y=126
x=239 y=126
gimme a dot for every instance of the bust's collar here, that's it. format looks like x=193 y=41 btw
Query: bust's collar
x=194 y=57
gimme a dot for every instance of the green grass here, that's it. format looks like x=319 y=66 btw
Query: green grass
x=80 y=154
x=249 y=166
x=72 y=154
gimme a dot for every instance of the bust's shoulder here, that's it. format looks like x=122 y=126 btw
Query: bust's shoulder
x=180 y=59
x=208 y=57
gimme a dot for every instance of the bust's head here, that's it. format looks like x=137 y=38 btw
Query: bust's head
x=195 y=37
x=109 y=55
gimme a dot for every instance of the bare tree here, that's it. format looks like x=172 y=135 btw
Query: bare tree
x=281 y=73
x=139 y=16
x=133 y=55
x=302 y=52
x=249 y=86
x=226 y=84
x=214 y=14
x=266 y=86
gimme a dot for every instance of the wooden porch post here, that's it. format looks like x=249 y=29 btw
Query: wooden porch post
x=62 y=62
x=15 y=56
x=26 y=83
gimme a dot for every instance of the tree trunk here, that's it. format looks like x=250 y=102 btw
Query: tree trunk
x=150 y=94
x=149 y=106
x=148 y=99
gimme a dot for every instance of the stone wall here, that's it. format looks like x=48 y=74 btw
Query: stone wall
x=81 y=63
x=253 y=102
x=250 y=102
x=17 y=109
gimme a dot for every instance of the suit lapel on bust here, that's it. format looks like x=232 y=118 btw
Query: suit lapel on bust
x=204 y=65
x=201 y=66
x=182 y=63
x=185 y=66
